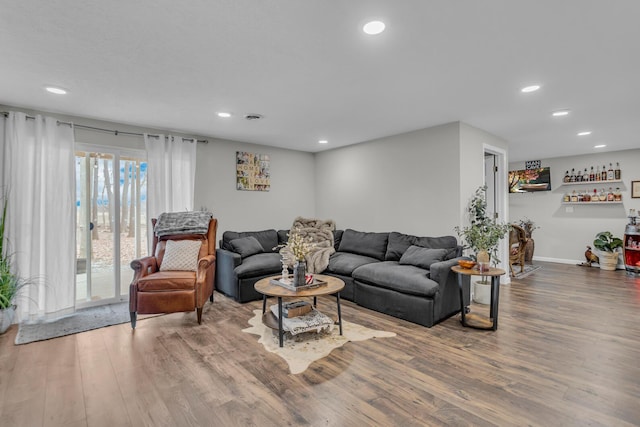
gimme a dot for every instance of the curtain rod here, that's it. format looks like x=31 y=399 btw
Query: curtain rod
x=115 y=132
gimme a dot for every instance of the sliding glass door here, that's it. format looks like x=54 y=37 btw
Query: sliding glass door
x=111 y=222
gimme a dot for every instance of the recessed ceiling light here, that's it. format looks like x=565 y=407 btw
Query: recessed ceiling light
x=584 y=133
x=224 y=115
x=531 y=88
x=373 y=27
x=600 y=146
x=323 y=141
x=56 y=90
x=560 y=113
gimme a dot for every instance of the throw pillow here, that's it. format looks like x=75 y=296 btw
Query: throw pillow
x=422 y=257
x=246 y=246
x=181 y=255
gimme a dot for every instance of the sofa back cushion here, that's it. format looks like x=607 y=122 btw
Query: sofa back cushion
x=422 y=257
x=267 y=238
x=337 y=237
x=368 y=244
x=283 y=237
x=399 y=243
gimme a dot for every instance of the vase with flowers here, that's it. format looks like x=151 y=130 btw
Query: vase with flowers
x=296 y=249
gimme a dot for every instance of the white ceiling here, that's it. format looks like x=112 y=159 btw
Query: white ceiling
x=310 y=70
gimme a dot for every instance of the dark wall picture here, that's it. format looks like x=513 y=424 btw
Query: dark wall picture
x=529 y=180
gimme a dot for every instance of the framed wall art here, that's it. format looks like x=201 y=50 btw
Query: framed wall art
x=635 y=189
x=252 y=171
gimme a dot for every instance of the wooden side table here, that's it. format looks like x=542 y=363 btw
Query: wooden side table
x=475 y=320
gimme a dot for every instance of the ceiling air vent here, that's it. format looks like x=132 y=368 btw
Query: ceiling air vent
x=253 y=116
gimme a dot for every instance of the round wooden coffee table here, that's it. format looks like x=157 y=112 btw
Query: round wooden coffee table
x=264 y=286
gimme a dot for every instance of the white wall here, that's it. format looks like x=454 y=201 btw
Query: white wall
x=563 y=236
x=407 y=183
x=291 y=195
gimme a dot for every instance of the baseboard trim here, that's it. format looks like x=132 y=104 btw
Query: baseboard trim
x=570 y=261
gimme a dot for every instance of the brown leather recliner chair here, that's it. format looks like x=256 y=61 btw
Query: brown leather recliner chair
x=153 y=291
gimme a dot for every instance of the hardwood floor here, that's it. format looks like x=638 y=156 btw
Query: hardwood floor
x=566 y=353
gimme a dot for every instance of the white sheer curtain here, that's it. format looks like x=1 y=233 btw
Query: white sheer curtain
x=37 y=160
x=171 y=174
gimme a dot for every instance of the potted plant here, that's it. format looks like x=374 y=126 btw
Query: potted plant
x=607 y=244
x=10 y=282
x=482 y=237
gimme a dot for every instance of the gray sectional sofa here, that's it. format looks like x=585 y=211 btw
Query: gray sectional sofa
x=405 y=276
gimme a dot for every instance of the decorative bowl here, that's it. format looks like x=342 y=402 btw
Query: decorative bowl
x=466 y=263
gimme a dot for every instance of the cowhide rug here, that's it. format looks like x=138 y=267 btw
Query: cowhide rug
x=301 y=351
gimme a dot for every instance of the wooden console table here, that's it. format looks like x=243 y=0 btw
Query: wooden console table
x=475 y=320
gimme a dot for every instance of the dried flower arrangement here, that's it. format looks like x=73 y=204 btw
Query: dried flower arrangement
x=298 y=245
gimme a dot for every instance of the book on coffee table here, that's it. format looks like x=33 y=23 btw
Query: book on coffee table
x=288 y=283
x=296 y=308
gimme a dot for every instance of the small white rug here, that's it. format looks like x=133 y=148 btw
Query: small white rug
x=301 y=351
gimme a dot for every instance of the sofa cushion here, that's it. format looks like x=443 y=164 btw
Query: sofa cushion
x=167 y=281
x=344 y=262
x=399 y=243
x=337 y=238
x=422 y=257
x=259 y=265
x=406 y=279
x=283 y=237
x=267 y=238
x=246 y=246
x=373 y=245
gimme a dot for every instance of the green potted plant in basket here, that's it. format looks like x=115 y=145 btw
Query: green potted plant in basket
x=482 y=237
x=607 y=244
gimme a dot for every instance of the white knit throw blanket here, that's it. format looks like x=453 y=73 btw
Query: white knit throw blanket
x=319 y=233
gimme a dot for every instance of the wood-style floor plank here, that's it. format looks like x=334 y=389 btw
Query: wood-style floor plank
x=565 y=353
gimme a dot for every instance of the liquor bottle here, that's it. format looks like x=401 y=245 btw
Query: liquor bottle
x=585 y=175
x=603 y=174
x=594 y=197
x=592 y=175
x=574 y=196
x=610 y=174
x=572 y=178
x=598 y=176
x=617 y=172
x=586 y=197
x=610 y=195
x=602 y=196
x=617 y=195
x=566 y=197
